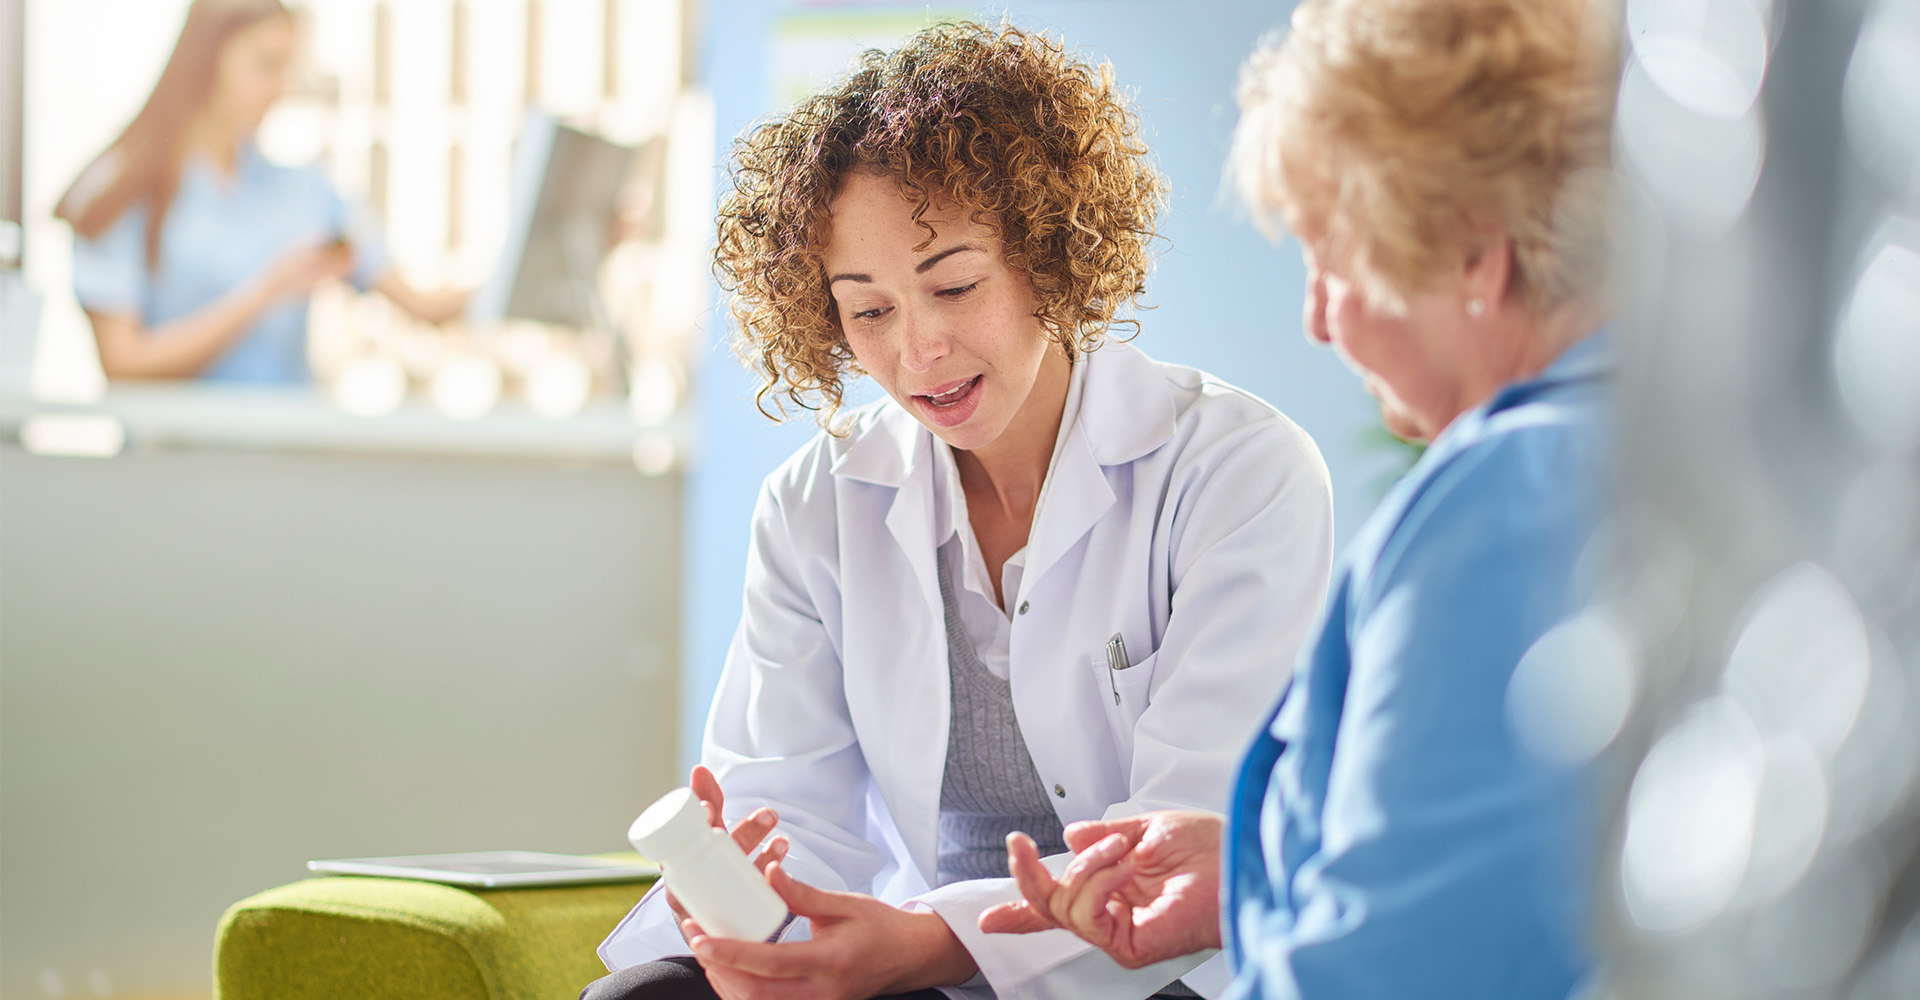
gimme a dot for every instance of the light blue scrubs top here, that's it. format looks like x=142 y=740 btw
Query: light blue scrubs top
x=220 y=233
x=1388 y=836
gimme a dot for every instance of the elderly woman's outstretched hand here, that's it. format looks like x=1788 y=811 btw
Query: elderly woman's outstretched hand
x=1143 y=889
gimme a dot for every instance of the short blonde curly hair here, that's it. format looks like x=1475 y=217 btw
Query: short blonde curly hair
x=1042 y=148
x=1386 y=126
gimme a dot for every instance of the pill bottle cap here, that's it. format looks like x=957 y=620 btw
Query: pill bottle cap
x=671 y=825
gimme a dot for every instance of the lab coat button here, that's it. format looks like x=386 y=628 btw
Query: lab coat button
x=1060 y=791
x=1023 y=607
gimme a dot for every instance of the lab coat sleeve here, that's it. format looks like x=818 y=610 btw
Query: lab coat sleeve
x=779 y=733
x=1448 y=864
x=1250 y=538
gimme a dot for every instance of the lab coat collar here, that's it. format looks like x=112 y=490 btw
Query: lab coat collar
x=887 y=444
x=1127 y=411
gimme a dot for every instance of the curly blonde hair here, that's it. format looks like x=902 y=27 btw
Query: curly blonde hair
x=1386 y=126
x=1040 y=147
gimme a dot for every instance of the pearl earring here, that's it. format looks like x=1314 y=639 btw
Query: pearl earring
x=1476 y=308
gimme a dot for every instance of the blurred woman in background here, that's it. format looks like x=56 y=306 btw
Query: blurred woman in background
x=193 y=255
x=1404 y=823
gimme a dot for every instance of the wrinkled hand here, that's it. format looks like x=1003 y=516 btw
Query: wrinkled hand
x=861 y=948
x=1142 y=889
x=748 y=833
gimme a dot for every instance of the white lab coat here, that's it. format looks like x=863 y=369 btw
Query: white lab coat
x=1182 y=513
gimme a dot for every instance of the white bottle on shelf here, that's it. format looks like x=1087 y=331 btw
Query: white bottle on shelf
x=706 y=870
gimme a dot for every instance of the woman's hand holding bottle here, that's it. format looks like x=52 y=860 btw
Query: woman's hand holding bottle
x=748 y=833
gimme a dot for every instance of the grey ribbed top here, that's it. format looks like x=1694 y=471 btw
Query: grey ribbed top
x=990 y=788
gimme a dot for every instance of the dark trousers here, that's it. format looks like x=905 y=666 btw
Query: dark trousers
x=680 y=978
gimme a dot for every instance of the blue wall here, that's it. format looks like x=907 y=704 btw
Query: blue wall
x=1227 y=300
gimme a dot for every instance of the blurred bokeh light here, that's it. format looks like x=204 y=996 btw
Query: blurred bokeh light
x=1764 y=555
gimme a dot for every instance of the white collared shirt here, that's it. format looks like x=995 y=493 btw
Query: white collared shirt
x=989 y=624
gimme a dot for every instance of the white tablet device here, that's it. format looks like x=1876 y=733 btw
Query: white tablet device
x=493 y=869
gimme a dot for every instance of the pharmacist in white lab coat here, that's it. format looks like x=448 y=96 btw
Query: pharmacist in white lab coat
x=1047 y=580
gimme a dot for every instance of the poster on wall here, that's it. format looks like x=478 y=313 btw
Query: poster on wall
x=814 y=44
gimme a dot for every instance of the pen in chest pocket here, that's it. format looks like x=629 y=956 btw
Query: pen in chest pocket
x=1116 y=662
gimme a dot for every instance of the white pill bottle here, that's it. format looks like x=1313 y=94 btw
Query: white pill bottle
x=706 y=871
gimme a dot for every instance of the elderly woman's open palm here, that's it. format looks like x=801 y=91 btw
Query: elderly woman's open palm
x=1144 y=888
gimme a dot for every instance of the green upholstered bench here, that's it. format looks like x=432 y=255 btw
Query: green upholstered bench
x=350 y=938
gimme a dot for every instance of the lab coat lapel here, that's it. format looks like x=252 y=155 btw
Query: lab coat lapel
x=1077 y=496
x=894 y=450
x=896 y=663
x=910 y=521
x=1126 y=411
x=919 y=707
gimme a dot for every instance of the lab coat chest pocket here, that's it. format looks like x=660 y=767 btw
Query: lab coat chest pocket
x=1124 y=695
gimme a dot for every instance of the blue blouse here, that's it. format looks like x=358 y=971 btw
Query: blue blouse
x=221 y=232
x=1388 y=836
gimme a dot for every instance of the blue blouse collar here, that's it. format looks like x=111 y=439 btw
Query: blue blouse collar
x=246 y=158
x=1589 y=358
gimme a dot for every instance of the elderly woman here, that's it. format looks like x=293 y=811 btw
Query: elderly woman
x=1043 y=581
x=1441 y=162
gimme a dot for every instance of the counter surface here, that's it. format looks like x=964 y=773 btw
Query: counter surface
x=303 y=419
